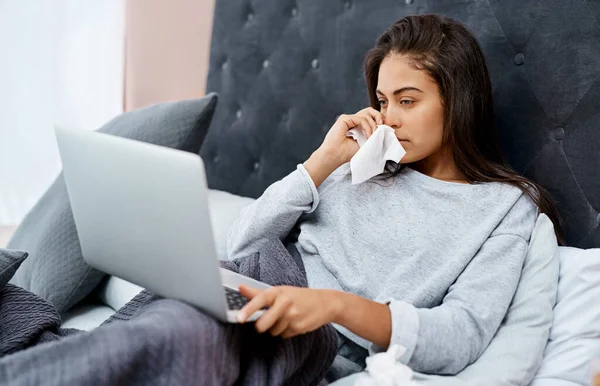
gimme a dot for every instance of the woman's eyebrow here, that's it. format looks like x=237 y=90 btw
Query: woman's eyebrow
x=401 y=90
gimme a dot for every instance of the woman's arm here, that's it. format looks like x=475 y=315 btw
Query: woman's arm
x=294 y=311
x=441 y=340
x=276 y=212
x=364 y=317
x=447 y=338
x=320 y=165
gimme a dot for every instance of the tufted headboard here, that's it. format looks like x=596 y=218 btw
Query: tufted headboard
x=285 y=69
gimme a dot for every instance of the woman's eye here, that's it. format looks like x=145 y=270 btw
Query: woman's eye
x=406 y=102
x=381 y=102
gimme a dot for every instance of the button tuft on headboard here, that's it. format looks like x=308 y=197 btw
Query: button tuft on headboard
x=519 y=59
x=559 y=133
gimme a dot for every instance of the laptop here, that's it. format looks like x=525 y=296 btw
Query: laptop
x=141 y=213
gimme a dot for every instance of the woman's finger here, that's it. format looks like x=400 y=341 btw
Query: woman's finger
x=279 y=327
x=289 y=333
x=263 y=299
x=376 y=115
x=368 y=125
x=350 y=121
x=373 y=123
x=273 y=315
x=248 y=292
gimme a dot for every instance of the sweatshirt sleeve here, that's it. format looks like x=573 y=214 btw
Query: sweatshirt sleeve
x=273 y=214
x=447 y=338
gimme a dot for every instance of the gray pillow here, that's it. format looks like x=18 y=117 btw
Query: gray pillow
x=516 y=351
x=9 y=262
x=55 y=269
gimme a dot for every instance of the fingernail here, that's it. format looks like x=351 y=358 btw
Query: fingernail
x=240 y=317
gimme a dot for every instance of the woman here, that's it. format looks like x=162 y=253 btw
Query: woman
x=429 y=254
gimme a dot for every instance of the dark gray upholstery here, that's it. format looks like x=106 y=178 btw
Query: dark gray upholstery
x=285 y=69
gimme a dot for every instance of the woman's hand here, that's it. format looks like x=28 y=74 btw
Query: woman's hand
x=337 y=148
x=336 y=142
x=292 y=310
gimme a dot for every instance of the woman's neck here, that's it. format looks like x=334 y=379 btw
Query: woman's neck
x=440 y=166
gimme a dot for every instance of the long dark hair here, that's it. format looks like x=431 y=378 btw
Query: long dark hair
x=450 y=54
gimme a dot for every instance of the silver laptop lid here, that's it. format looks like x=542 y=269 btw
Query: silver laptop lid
x=141 y=213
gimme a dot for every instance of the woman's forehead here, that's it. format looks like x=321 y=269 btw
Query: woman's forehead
x=396 y=72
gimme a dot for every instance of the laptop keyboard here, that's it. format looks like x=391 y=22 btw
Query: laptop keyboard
x=235 y=300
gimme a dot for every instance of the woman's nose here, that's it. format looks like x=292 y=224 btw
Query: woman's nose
x=391 y=121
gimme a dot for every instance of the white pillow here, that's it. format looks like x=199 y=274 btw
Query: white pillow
x=576 y=327
x=224 y=209
x=117 y=292
x=515 y=353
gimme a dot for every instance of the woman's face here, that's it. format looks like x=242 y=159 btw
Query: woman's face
x=410 y=103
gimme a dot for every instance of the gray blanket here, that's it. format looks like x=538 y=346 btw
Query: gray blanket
x=154 y=341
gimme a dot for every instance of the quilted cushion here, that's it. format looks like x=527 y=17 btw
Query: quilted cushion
x=55 y=269
x=9 y=263
x=285 y=69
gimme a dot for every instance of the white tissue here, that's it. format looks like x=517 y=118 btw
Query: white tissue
x=374 y=152
x=385 y=369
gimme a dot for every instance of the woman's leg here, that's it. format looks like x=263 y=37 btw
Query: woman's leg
x=167 y=343
x=350 y=359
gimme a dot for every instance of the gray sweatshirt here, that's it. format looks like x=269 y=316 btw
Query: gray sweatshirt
x=445 y=256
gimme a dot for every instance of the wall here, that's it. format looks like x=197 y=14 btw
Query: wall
x=167 y=50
